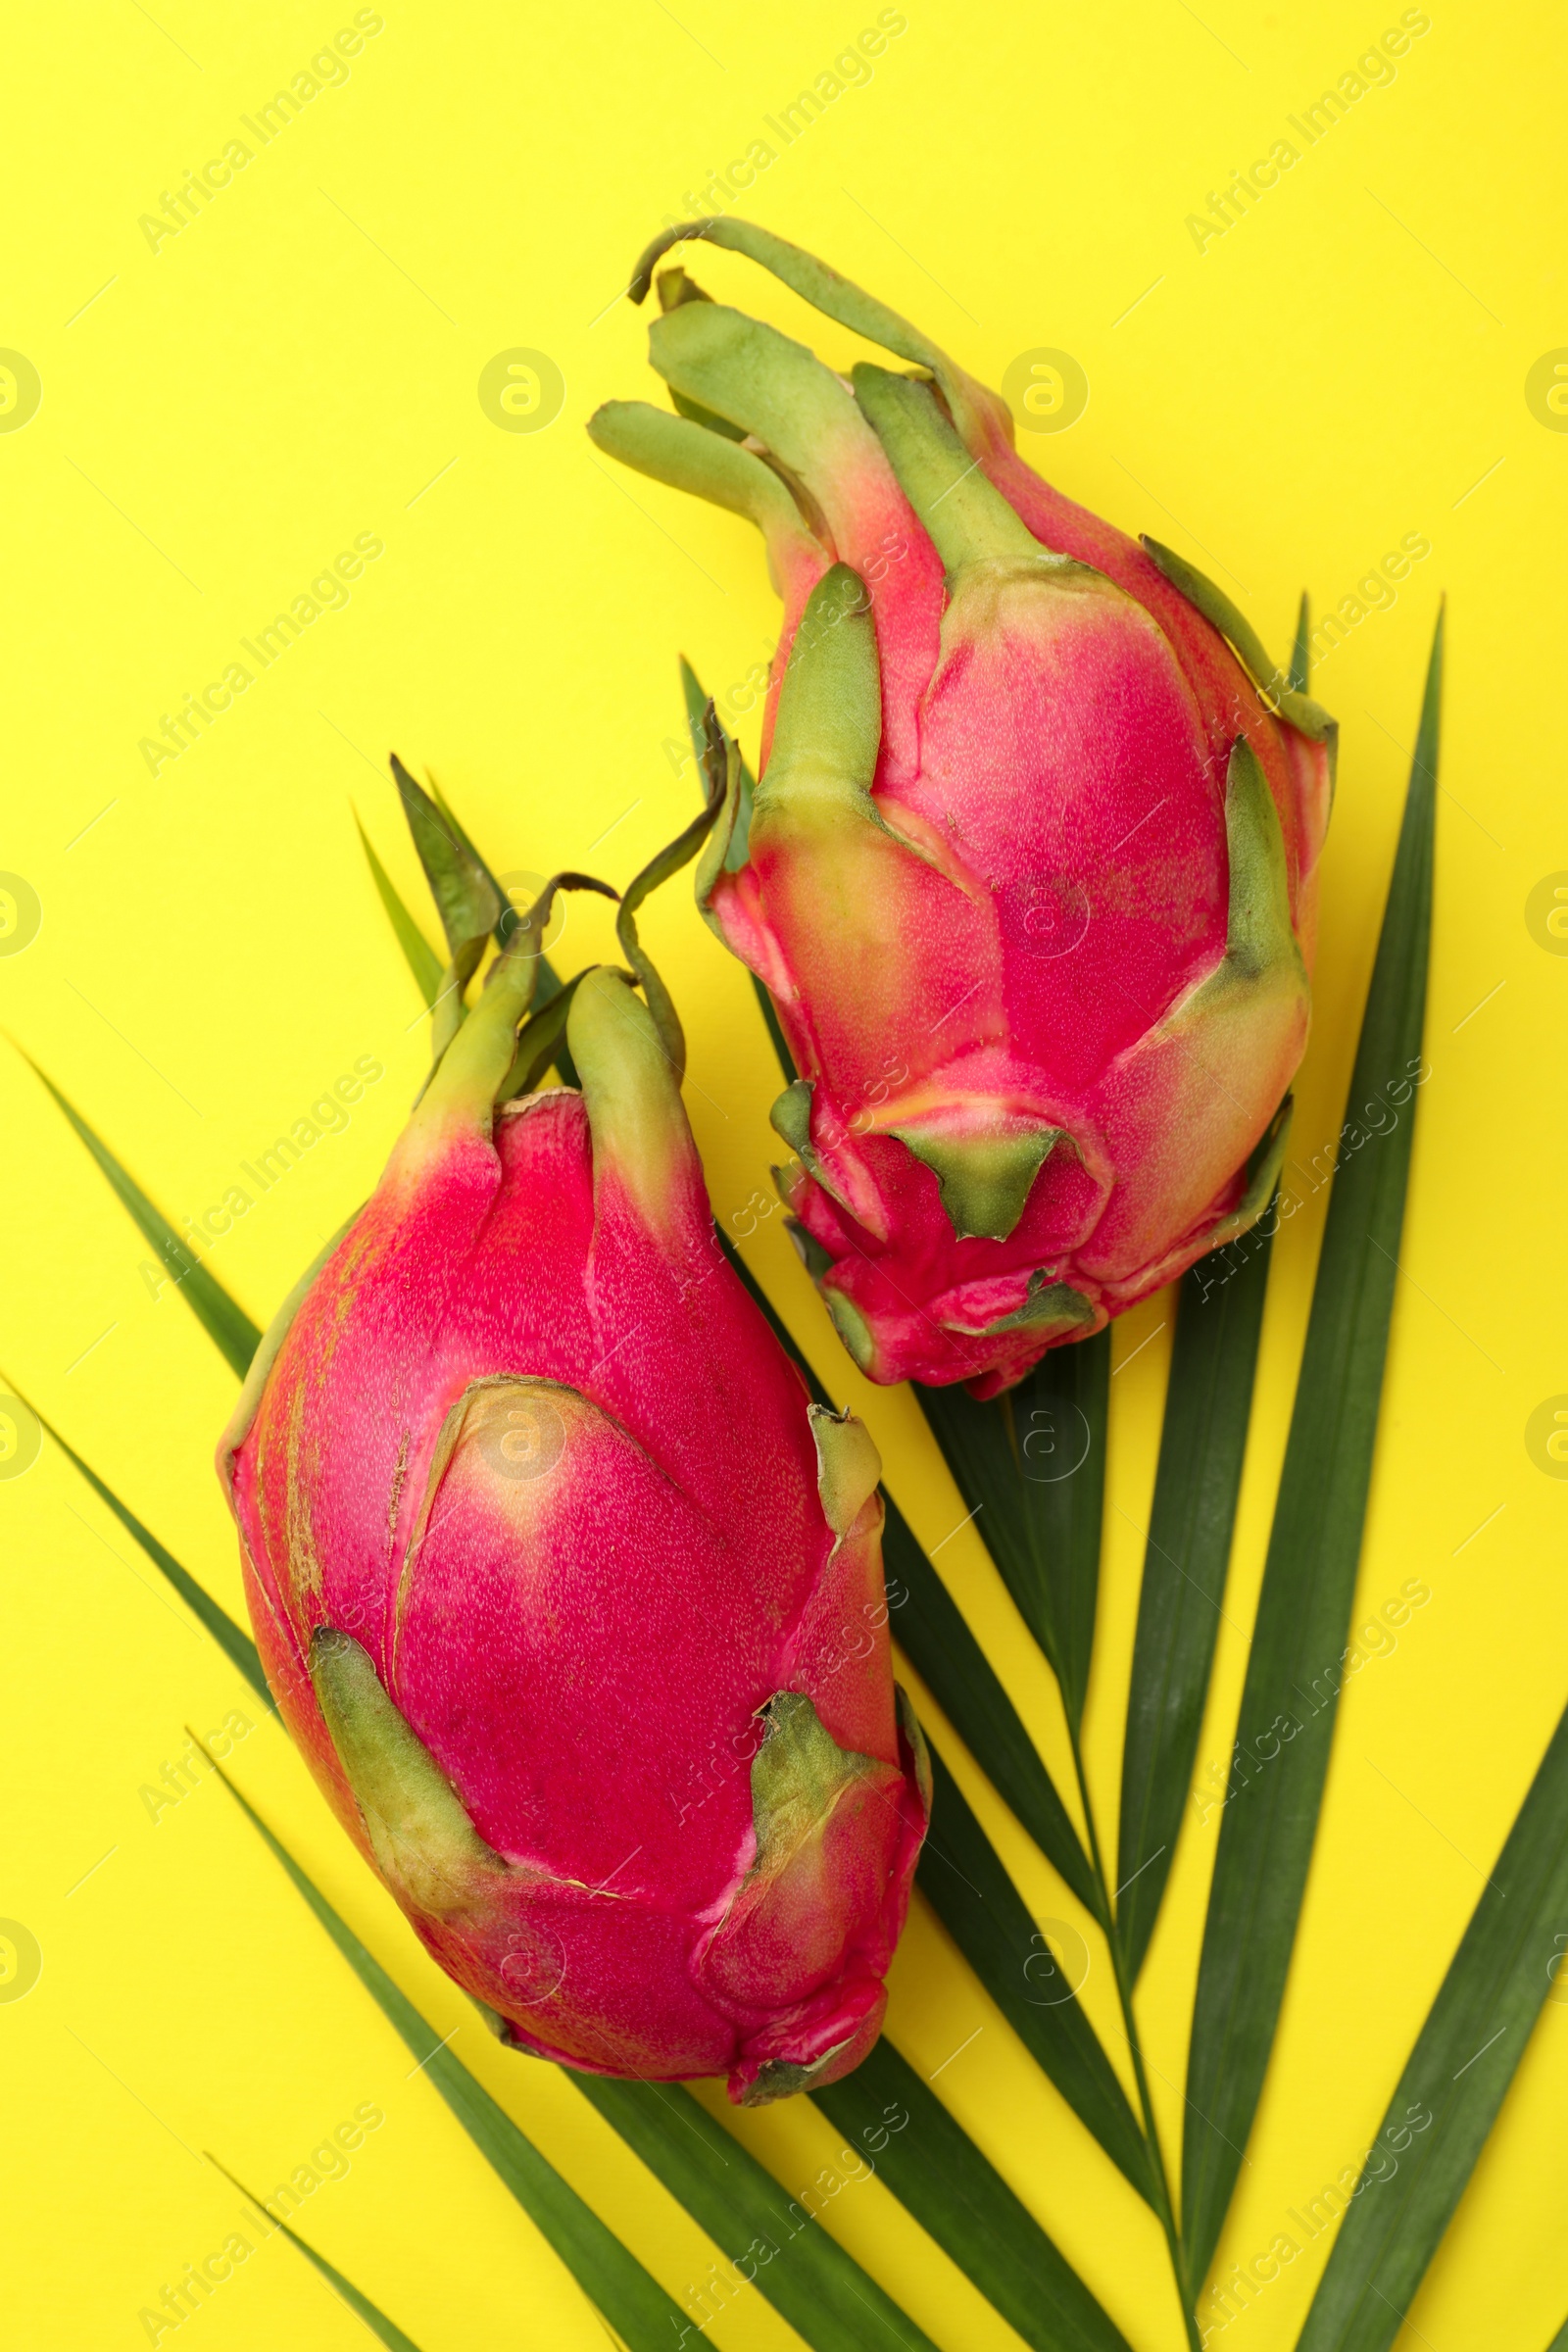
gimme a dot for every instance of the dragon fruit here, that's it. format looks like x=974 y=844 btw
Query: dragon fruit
x=1029 y=870
x=572 y=1602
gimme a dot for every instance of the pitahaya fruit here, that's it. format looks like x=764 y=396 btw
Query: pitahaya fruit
x=1029 y=870
x=572 y=1602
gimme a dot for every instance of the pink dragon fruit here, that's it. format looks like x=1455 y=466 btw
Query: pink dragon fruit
x=573 y=1603
x=1030 y=871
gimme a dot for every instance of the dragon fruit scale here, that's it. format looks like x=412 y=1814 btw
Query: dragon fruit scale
x=1030 y=870
x=571 y=1600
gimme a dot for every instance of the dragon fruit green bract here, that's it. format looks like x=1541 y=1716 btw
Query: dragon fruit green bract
x=1029 y=870
x=571 y=1600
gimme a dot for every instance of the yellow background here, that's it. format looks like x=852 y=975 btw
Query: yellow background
x=294 y=368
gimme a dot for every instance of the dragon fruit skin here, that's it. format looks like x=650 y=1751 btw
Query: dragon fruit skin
x=1029 y=870
x=573 y=1604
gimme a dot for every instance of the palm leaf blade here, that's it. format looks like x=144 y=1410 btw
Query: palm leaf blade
x=1457 y=2075
x=225 y=1322
x=236 y=1643
x=807 y=2278
x=384 y=2329
x=1300 y=670
x=986 y=1916
x=422 y=958
x=1270 y=1825
x=469 y=901
x=612 y=2278
x=936 y=1637
x=1033 y=1462
x=932 y=2164
x=1203 y=1443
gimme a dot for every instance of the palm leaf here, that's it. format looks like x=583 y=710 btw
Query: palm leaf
x=986 y=1916
x=1201 y=1446
x=808 y=2278
x=230 y=1638
x=930 y=2162
x=821 y=2290
x=1033 y=1461
x=935 y=1635
x=226 y=1324
x=547 y=984
x=468 y=899
x=1266 y=1836
x=506 y=919
x=1300 y=669
x=422 y=958
x=1456 y=2077
x=932 y=1630
x=612 y=2278
x=384 y=2329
